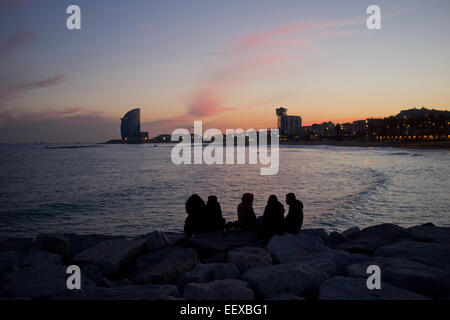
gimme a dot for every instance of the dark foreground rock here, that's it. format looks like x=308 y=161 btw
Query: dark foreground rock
x=208 y=272
x=340 y=288
x=231 y=289
x=294 y=278
x=129 y=292
x=432 y=254
x=249 y=257
x=289 y=247
x=413 y=276
x=414 y=264
x=163 y=266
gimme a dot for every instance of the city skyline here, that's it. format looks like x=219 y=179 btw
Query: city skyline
x=227 y=65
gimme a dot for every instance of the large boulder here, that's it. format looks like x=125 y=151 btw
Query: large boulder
x=406 y=274
x=432 y=254
x=208 y=272
x=340 y=258
x=35 y=257
x=249 y=257
x=286 y=297
x=289 y=247
x=230 y=289
x=112 y=256
x=53 y=243
x=163 y=266
x=156 y=240
x=334 y=239
x=9 y=260
x=432 y=233
x=36 y=282
x=351 y=231
x=79 y=243
x=341 y=288
x=16 y=244
x=129 y=292
x=370 y=239
x=209 y=244
x=302 y=279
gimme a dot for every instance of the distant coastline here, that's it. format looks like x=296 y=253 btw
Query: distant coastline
x=441 y=145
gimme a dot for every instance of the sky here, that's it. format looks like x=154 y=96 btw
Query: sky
x=227 y=63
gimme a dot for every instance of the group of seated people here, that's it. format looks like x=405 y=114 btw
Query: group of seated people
x=208 y=217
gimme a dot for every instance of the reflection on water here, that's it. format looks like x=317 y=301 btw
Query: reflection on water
x=133 y=189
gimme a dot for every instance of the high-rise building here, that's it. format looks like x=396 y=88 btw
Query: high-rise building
x=130 y=128
x=288 y=125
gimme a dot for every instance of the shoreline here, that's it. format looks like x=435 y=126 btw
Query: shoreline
x=370 y=144
x=311 y=265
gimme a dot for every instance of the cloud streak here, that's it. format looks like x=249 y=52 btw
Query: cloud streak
x=15 y=40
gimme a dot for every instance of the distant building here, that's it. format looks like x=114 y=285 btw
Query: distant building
x=130 y=127
x=288 y=125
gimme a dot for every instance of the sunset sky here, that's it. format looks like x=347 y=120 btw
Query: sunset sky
x=228 y=63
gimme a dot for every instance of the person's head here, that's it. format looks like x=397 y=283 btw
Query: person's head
x=211 y=200
x=272 y=200
x=290 y=198
x=194 y=204
x=247 y=198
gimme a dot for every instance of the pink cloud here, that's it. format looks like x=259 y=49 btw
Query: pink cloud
x=16 y=39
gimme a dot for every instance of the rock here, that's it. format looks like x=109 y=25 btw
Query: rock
x=289 y=247
x=9 y=260
x=286 y=297
x=369 y=239
x=224 y=271
x=79 y=243
x=208 y=272
x=335 y=238
x=112 y=256
x=53 y=243
x=217 y=258
x=157 y=240
x=141 y=292
x=209 y=244
x=230 y=289
x=340 y=288
x=93 y=273
x=38 y=257
x=118 y=283
x=295 y=278
x=163 y=266
x=175 y=237
x=351 y=231
x=406 y=274
x=315 y=233
x=432 y=254
x=340 y=258
x=249 y=257
x=432 y=233
x=36 y=282
x=16 y=244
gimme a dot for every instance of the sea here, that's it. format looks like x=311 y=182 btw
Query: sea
x=135 y=189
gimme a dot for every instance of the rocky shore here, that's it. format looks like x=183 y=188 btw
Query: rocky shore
x=414 y=263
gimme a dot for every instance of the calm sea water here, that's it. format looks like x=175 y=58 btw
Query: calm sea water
x=134 y=189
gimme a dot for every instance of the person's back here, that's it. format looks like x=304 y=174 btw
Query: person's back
x=246 y=215
x=273 y=219
x=215 y=221
x=196 y=219
x=294 y=218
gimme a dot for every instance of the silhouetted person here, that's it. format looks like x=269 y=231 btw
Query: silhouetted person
x=215 y=221
x=246 y=215
x=273 y=219
x=294 y=218
x=196 y=219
